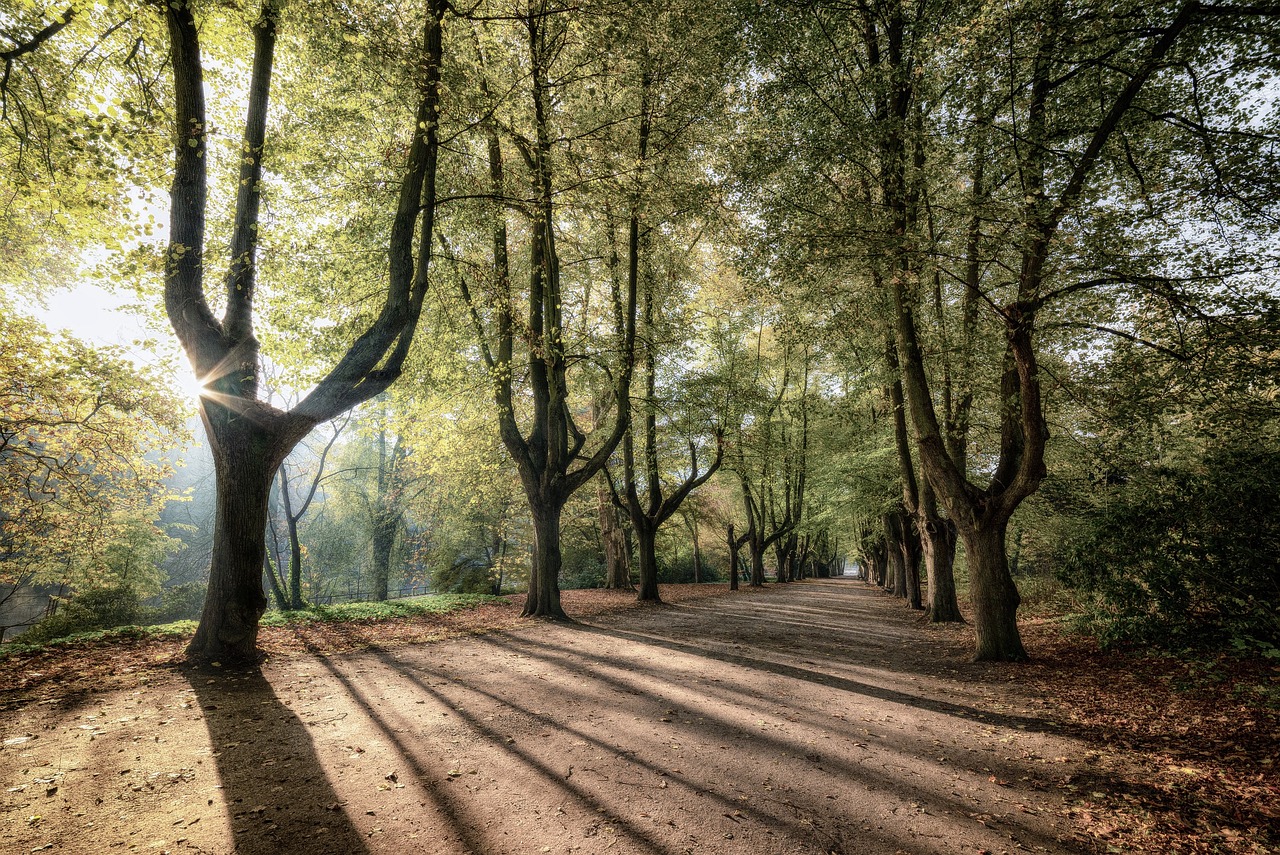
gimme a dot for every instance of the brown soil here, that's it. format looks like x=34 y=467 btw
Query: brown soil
x=818 y=717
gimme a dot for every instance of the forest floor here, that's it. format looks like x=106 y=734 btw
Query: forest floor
x=817 y=717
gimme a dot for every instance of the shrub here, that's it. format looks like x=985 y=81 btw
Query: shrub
x=179 y=602
x=1184 y=554
x=93 y=609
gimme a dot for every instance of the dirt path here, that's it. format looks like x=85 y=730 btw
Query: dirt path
x=812 y=718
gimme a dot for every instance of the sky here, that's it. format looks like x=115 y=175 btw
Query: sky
x=96 y=316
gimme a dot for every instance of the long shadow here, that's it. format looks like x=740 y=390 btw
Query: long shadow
x=273 y=783
x=557 y=780
x=447 y=803
x=830 y=761
x=800 y=828
x=969 y=713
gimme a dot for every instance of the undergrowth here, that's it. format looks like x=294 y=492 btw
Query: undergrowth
x=430 y=604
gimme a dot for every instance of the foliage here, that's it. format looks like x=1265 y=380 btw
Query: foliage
x=409 y=607
x=79 y=486
x=582 y=567
x=179 y=602
x=95 y=609
x=1185 y=553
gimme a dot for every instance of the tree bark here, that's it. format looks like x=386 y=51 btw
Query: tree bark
x=543 y=599
x=249 y=439
x=647 y=554
x=295 y=541
x=613 y=540
x=735 y=550
x=896 y=554
x=386 y=524
x=245 y=457
x=938 y=543
x=995 y=596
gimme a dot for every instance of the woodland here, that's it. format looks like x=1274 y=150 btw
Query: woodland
x=975 y=302
x=949 y=315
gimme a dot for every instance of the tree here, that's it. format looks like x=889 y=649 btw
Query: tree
x=548 y=453
x=249 y=438
x=1006 y=187
x=79 y=487
x=293 y=510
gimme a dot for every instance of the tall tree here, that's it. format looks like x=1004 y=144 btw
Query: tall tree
x=248 y=436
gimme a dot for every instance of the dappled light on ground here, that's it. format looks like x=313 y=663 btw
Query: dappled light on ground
x=814 y=718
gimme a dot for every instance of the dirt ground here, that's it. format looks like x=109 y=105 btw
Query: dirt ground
x=817 y=717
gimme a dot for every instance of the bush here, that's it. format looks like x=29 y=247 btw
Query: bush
x=179 y=602
x=679 y=571
x=94 y=609
x=1185 y=555
x=581 y=567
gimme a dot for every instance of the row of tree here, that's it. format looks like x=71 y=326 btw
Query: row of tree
x=843 y=264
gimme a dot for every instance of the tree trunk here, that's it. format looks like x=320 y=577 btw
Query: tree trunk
x=697 y=551
x=543 y=599
x=295 y=566
x=500 y=550
x=384 y=538
x=911 y=548
x=613 y=539
x=269 y=570
x=896 y=580
x=757 y=562
x=994 y=595
x=938 y=543
x=647 y=549
x=735 y=547
x=245 y=458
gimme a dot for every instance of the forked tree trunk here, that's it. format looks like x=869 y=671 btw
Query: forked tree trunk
x=995 y=596
x=249 y=438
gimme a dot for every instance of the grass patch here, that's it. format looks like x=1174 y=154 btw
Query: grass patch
x=429 y=604
x=177 y=629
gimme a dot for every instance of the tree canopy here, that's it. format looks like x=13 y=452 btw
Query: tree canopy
x=951 y=292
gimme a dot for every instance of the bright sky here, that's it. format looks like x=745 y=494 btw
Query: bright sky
x=97 y=316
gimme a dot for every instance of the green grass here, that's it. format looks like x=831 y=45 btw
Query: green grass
x=177 y=629
x=430 y=604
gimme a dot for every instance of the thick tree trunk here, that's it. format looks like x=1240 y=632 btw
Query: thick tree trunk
x=938 y=543
x=543 y=599
x=757 y=563
x=647 y=555
x=245 y=458
x=994 y=595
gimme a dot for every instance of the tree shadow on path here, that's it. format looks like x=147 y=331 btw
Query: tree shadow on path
x=274 y=785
